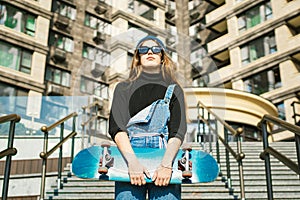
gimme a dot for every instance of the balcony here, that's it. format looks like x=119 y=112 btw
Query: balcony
x=59 y=55
x=170 y=14
x=99 y=37
x=171 y=40
x=216 y=3
x=101 y=8
x=61 y=22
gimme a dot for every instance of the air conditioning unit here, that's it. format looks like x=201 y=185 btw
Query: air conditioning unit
x=171 y=40
x=99 y=37
x=55 y=89
x=100 y=8
x=61 y=22
x=59 y=55
x=98 y=69
x=170 y=14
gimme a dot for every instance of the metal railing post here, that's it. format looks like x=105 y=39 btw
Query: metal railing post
x=229 y=183
x=267 y=160
x=209 y=133
x=44 y=163
x=297 y=137
x=218 y=148
x=73 y=139
x=241 y=156
x=83 y=132
x=45 y=154
x=59 y=185
x=13 y=119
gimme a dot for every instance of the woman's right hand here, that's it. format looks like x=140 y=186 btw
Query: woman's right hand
x=137 y=172
x=135 y=169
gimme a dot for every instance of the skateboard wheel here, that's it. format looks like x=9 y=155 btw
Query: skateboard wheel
x=187 y=174
x=105 y=144
x=102 y=170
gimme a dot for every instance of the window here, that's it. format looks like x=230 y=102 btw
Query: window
x=97 y=24
x=196 y=58
x=53 y=111
x=15 y=57
x=258 y=48
x=250 y=133
x=129 y=60
x=255 y=16
x=17 y=19
x=281 y=110
x=65 y=10
x=102 y=123
x=200 y=80
x=17 y=101
x=263 y=82
x=142 y=9
x=58 y=76
x=62 y=42
x=95 y=54
x=90 y=86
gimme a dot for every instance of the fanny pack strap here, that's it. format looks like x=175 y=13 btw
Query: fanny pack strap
x=169 y=93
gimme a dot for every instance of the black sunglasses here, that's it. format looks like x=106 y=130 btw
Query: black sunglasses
x=145 y=49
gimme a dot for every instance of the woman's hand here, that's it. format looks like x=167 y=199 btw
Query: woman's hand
x=135 y=169
x=137 y=173
x=162 y=176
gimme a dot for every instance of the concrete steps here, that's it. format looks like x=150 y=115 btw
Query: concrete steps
x=286 y=184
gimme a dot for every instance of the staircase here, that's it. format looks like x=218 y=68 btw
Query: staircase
x=286 y=184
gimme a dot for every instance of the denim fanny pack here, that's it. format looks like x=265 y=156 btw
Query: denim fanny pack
x=149 y=127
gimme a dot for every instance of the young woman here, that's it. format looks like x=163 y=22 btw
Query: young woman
x=151 y=79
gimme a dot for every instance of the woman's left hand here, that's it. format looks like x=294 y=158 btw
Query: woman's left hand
x=162 y=176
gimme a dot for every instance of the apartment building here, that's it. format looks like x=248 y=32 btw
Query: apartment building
x=254 y=47
x=241 y=58
x=82 y=48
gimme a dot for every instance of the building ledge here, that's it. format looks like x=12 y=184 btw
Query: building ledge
x=230 y=105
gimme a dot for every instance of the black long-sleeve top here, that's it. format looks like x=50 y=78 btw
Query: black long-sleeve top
x=131 y=97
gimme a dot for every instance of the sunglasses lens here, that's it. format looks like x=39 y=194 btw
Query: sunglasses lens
x=156 y=49
x=143 y=50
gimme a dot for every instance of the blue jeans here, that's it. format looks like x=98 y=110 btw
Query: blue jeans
x=124 y=190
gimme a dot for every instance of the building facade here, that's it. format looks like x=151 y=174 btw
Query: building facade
x=82 y=48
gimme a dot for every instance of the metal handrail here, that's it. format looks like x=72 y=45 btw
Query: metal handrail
x=7 y=152
x=267 y=150
x=92 y=117
x=10 y=151
x=45 y=154
x=239 y=156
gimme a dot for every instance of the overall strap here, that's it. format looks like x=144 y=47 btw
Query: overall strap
x=169 y=93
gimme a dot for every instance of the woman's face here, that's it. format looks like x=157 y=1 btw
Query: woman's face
x=150 y=60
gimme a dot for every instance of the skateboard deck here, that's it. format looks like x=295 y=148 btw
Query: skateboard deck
x=105 y=162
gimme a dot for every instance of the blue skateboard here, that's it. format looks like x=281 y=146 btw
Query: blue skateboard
x=105 y=162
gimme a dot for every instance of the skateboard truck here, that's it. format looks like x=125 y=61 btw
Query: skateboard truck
x=184 y=164
x=106 y=160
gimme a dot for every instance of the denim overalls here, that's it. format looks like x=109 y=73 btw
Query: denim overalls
x=149 y=127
